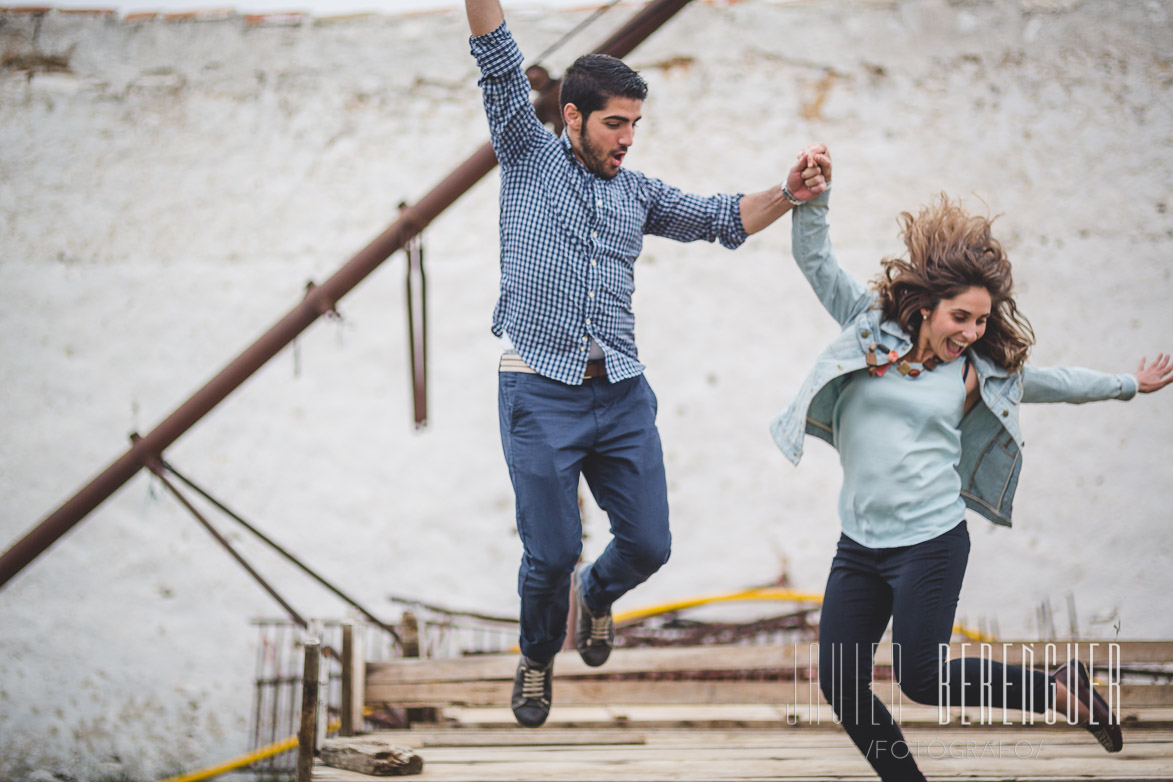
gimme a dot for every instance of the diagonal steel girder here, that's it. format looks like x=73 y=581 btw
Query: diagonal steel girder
x=318 y=301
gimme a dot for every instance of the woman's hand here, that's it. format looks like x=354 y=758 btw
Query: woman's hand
x=811 y=175
x=1156 y=375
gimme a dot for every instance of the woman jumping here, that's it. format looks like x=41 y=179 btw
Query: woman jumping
x=920 y=395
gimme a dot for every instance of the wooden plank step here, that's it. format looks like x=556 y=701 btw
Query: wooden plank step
x=575 y=692
x=734 y=658
x=530 y=738
x=693 y=756
x=501 y=667
x=757 y=716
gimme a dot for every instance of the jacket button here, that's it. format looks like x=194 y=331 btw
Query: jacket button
x=1005 y=413
x=865 y=333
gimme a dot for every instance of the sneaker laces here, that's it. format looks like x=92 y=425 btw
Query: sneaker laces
x=601 y=627
x=533 y=684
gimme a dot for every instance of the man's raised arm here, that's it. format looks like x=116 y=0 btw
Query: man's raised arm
x=809 y=177
x=484 y=16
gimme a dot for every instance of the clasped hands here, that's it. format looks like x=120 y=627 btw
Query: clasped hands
x=811 y=174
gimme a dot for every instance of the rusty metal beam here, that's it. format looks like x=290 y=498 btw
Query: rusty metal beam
x=156 y=466
x=273 y=545
x=318 y=301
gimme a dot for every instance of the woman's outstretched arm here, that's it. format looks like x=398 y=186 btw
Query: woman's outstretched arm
x=1077 y=385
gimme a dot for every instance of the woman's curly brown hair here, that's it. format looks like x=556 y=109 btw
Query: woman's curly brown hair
x=950 y=251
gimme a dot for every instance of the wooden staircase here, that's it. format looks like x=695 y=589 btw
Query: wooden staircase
x=752 y=712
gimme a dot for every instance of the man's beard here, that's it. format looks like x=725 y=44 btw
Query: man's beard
x=591 y=159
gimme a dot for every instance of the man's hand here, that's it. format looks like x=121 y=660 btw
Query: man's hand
x=811 y=174
x=484 y=16
x=1156 y=375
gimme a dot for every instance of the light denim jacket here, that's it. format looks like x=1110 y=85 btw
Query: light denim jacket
x=991 y=440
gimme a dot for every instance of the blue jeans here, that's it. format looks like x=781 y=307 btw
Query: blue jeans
x=551 y=434
x=917 y=587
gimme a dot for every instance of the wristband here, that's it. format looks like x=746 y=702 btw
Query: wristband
x=789 y=196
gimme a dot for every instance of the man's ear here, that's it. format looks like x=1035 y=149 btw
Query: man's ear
x=572 y=117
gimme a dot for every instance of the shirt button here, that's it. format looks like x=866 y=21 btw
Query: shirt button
x=591 y=295
x=588 y=321
x=594 y=234
x=594 y=262
x=584 y=339
x=582 y=350
x=598 y=202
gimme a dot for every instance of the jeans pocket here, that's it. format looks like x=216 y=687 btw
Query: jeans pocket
x=652 y=400
x=506 y=403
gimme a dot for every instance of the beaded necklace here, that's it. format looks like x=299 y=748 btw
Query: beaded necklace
x=875 y=369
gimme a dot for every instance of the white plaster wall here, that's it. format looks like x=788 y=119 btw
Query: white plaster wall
x=165 y=203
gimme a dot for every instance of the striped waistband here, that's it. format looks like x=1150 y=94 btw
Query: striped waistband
x=513 y=362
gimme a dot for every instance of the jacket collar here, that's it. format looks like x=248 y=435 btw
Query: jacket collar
x=872 y=327
x=892 y=329
x=985 y=367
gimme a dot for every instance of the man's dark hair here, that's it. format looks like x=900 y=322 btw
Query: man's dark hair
x=594 y=79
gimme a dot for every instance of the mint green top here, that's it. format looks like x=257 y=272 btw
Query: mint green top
x=899 y=441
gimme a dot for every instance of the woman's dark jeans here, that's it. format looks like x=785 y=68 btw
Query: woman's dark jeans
x=917 y=587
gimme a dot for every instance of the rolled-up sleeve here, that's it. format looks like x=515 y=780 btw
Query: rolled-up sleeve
x=674 y=214
x=513 y=125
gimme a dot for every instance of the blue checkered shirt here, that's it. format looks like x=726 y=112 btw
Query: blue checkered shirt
x=569 y=239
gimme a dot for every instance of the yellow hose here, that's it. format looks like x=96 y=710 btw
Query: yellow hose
x=268 y=751
x=758 y=593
